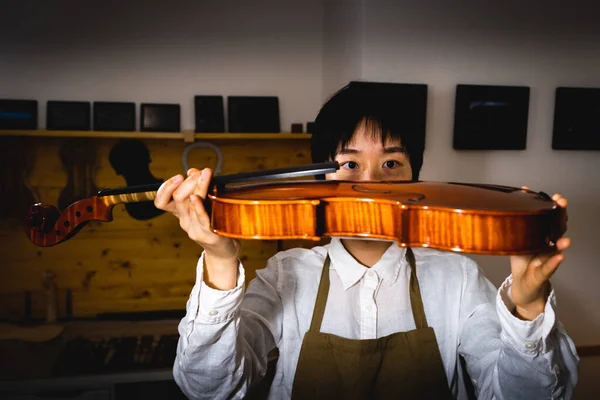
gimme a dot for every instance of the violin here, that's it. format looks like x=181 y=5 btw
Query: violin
x=450 y=216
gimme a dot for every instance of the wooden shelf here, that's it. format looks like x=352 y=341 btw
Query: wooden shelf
x=156 y=135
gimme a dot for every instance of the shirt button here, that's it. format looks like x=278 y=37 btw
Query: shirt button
x=530 y=346
x=213 y=312
x=371 y=273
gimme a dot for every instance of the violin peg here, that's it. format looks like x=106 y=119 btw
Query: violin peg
x=41 y=217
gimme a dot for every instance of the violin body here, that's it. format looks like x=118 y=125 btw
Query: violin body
x=470 y=218
x=461 y=217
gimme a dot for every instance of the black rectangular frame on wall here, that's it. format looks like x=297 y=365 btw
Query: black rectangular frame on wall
x=113 y=116
x=160 y=117
x=68 y=115
x=576 y=124
x=253 y=114
x=491 y=117
x=18 y=114
x=209 y=113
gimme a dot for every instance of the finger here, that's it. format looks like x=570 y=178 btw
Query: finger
x=165 y=193
x=186 y=188
x=199 y=228
x=203 y=183
x=562 y=202
x=181 y=196
x=563 y=243
x=200 y=211
x=556 y=198
x=549 y=267
x=192 y=171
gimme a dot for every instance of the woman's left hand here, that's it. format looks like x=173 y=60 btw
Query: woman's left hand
x=531 y=275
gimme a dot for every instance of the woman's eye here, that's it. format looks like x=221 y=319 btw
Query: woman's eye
x=350 y=165
x=391 y=164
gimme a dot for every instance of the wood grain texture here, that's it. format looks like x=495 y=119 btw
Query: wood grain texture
x=477 y=233
x=267 y=220
x=477 y=219
x=124 y=265
x=363 y=218
x=157 y=135
x=47 y=226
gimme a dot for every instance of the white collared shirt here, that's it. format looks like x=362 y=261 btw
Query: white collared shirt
x=226 y=335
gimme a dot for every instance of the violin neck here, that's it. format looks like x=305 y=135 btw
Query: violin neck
x=278 y=173
x=130 y=194
x=140 y=193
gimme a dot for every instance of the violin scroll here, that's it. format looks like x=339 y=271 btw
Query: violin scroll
x=46 y=226
x=41 y=217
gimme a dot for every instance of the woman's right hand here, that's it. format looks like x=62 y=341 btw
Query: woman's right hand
x=184 y=199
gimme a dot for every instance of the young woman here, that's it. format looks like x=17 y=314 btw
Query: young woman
x=358 y=319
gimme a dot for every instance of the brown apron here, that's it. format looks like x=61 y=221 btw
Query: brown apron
x=404 y=365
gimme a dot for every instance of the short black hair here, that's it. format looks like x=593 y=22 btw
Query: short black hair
x=394 y=111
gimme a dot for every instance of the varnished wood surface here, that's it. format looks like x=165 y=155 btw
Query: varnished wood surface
x=448 y=195
x=471 y=218
x=277 y=220
x=47 y=226
x=479 y=219
x=480 y=233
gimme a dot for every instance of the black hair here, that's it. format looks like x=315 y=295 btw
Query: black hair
x=389 y=110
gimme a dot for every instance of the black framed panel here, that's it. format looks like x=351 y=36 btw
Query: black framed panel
x=209 y=114
x=253 y=114
x=156 y=117
x=114 y=116
x=576 y=119
x=491 y=117
x=18 y=114
x=68 y=115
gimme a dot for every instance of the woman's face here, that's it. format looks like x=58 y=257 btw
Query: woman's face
x=366 y=159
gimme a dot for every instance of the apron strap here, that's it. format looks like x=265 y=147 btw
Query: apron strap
x=416 y=301
x=322 y=294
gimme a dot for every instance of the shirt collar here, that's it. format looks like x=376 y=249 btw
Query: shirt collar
x=351 y=271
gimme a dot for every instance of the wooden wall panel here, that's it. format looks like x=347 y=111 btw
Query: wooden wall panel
x=127 y=264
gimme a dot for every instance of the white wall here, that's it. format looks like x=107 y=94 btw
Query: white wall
x=538 y=44
x=164 y=51
x=343 y=42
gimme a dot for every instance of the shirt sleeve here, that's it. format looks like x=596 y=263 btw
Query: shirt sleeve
x=225 y=338
x=527 y=336
x=508 y=358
